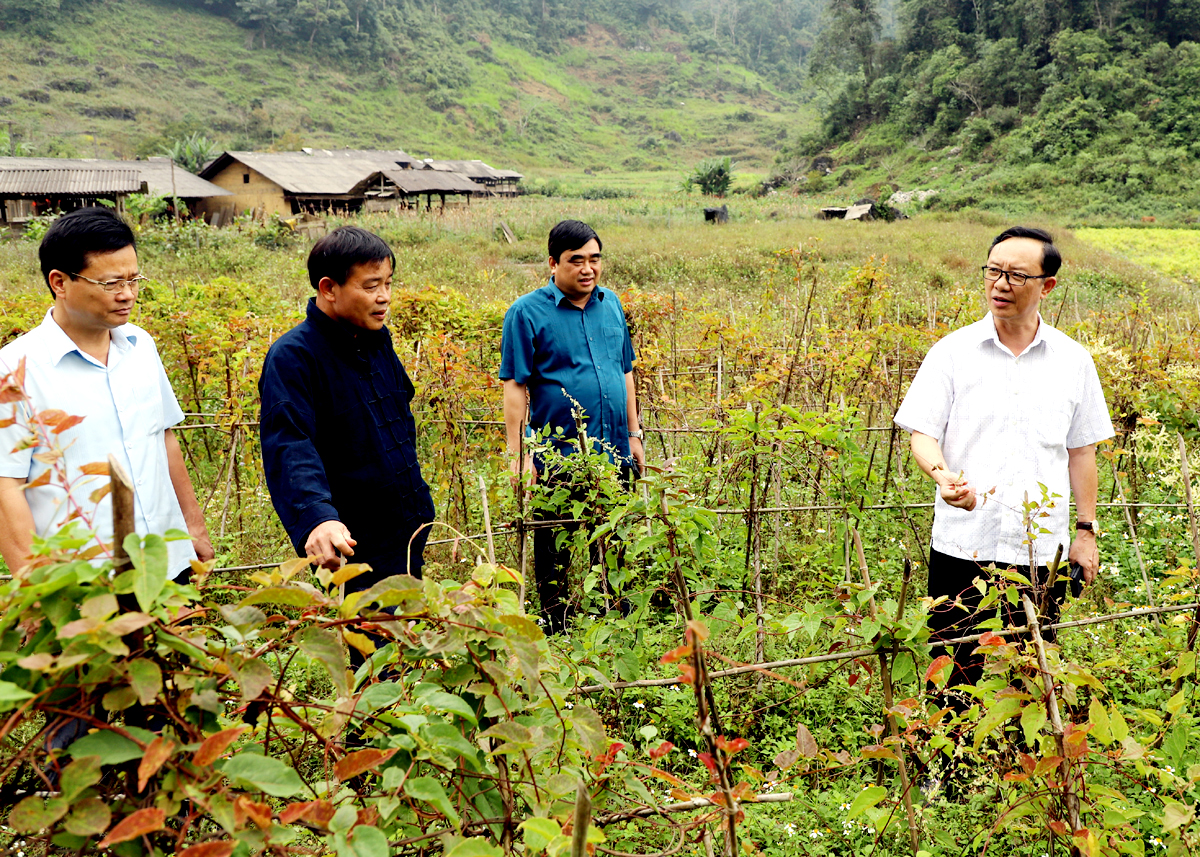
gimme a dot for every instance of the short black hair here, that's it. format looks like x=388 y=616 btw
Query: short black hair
x=1051 y=258
x=75 y=236
x=571 y=235
x=343 y=248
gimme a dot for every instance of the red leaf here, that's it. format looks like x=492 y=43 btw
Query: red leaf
x=292 y=812
x=95 y=468
x=990 y=639
x=138 y=824
x=157 y=752
x=732 y=747
x=320 y=813
x=687 y=674
x=259 y=813
x=361 y=761
x=1027 y=762
x=676 y=655
x=215 y=745
x=1058 y=827
x=709 y=762
x=209 y=849
x=368 y=816
x=853 y=679
x=805 y=743
x=51 y=417
x=661 y=750
x=939 y=664
x=69 y=422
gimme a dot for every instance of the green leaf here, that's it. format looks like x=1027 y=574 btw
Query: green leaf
x=474 y=848
x=589 y=729
x=323 y=645
x=368 y=841
x=146 y=679
x=1098 y=715
x=253 y=677
x=81 y=774
x=515 y=736
x=12 y=695
x=89 y=817
x=430 y=791
x=441 y=701
x=1175 y=815
x=864 y=800
x=1118 y=726
x=32 y=815
x=113 y=749
x=289 y=596
x=539 y=832
x=263 y=774
x=1185 y=667
x=149 y=558
x=1001 y=710
x=1033 y=718
x=1176 y=702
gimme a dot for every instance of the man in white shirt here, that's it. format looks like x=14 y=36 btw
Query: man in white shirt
x=87 y=360
x=996 y=409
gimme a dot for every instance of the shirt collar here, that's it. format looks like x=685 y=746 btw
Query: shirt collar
x=59 y=345
x=987 y=332
x=559 y=297
x=345 y=335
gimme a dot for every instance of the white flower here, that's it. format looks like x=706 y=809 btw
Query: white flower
x=790 y=828
x=639 y=704
x=845 y=807
x=568 y=705
x=692 y=753
x=815 y=834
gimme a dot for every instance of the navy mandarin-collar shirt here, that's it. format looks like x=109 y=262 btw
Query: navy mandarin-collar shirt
x=555 y=348
x=339 y=438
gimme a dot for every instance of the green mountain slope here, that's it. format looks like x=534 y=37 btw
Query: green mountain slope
x=122 y=77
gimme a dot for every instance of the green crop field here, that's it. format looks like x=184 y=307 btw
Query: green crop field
x=771 y=354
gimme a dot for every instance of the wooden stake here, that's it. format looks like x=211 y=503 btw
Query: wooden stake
x=487 y=521
x=1134 y=538
x=580 y=822
x=1069 y=796
x=122 y=510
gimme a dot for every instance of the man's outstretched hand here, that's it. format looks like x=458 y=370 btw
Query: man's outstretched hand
x=326 y=540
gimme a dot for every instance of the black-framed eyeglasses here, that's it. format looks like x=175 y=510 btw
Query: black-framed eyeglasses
x=115 y=285
x=1015 y=278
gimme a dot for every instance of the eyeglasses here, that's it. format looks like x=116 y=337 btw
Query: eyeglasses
x=1015 y=278
x=116 y=285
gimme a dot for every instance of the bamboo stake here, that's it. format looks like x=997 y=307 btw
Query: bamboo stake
x=1069 y=796
x=487 y=520
x=580 y=822
x=229 y=477
x=1185 y=472
x=1134 y=538
x=885 y=672
x=122 y=511
x=684 y=806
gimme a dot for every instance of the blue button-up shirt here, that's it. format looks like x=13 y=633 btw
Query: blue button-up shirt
x=555 y=348
x=127 y=406
x=339 y=439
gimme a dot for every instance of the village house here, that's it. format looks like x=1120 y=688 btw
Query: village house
x=31 y=186
x=490 y=181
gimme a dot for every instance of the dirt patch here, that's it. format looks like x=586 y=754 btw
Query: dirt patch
x=596 y=36
x=540 y=90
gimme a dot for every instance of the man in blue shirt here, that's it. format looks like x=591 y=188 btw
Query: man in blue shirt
x=569 y=339
x=338 y=435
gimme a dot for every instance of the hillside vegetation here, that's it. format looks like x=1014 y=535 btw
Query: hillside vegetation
x=645 y=87
x=1083 y=109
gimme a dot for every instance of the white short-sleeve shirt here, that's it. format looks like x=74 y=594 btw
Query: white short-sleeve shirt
x=1006 y=422
x=126 y=407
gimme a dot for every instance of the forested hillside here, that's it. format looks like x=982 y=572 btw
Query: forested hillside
x=635 y=85
x=1093 y=105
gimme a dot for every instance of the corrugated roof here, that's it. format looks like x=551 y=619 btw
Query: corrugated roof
x=68 y=181
x=474 y=169
x=155 y=172
x=428 y=181
x=315 y=172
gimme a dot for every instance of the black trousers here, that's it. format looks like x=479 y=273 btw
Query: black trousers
x=552 y=564
x=952 y=576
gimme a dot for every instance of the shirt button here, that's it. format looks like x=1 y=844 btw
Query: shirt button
x=129 y=446
x=140 y=481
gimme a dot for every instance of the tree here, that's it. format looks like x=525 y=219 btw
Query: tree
x=191 y=152
x=265 y=16
x=712 y=175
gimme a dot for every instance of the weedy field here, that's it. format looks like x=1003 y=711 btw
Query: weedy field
x=783 y=524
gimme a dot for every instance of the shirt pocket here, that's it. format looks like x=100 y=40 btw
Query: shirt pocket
x=614 y=343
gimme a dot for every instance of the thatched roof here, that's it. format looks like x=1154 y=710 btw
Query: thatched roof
x=69 y=181
x=156 y=173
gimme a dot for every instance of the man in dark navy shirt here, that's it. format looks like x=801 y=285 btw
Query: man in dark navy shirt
x=338 y=435
x=569 y=339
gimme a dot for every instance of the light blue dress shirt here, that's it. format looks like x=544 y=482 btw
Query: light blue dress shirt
x=127 y=407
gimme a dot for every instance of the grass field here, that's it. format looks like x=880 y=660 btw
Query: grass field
x=772 y=352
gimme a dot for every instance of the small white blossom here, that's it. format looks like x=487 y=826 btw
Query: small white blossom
x=639 y=704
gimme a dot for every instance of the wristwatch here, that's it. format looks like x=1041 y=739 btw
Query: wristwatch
x=639 y=434
x=1090 y=526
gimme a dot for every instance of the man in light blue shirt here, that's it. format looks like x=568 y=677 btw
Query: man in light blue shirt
x=86 y=360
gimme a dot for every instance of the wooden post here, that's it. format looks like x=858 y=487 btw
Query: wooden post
x=1185 y=472
x=123 y=511
x=885 y=671
x=1134 y=538
x=580 y=822
x=1035 y=630
x=487 y=521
